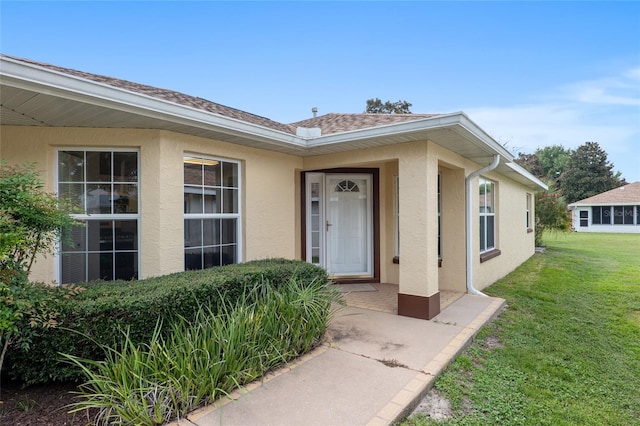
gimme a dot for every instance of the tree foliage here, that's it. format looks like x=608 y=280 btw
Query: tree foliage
x=31 y=220
x=551 y=215
x=587 y=173
x=376 y=106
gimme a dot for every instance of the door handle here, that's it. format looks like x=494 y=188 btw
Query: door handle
x=328 y=225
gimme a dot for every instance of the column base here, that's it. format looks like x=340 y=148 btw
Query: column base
x=421 y=307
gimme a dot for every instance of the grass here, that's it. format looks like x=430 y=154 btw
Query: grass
x=566 y=351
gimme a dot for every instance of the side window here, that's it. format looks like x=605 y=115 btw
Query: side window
x=211 y=212
x=487 y=215
x=584 y=218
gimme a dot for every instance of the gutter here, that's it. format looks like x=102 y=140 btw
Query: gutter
x=469 y=223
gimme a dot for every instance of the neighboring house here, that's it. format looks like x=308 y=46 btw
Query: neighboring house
x=172 y=182
x=617 y=211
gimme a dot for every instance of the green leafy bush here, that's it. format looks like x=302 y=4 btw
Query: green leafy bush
x=206 y=356
x=101 y=312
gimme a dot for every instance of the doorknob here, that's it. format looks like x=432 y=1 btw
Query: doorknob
x=328 y=225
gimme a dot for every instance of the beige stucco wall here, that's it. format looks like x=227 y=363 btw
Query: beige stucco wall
x=268 y=183
x=512 y=238
x=271 y=202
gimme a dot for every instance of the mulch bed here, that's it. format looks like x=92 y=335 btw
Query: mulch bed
x=40 y=405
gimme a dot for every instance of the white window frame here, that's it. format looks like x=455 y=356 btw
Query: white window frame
x=238 y=216
x=396 y=216
x=85 y=217
x=529 y=198
x=484 y=215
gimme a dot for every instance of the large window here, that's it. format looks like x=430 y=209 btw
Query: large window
x=615 y=215
x=487 y=215
x=211 y=212
x=105 y=185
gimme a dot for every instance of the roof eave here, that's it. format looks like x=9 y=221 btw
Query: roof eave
x=32 y=77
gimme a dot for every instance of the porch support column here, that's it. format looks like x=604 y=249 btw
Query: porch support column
x=418 y=294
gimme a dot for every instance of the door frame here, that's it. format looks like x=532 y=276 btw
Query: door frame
x=375 y=178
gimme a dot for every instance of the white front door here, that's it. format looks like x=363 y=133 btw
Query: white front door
x=339 y=223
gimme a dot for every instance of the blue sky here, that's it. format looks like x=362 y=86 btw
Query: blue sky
x=531 y=74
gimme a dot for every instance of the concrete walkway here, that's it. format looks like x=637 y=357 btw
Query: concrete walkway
x=374 y=369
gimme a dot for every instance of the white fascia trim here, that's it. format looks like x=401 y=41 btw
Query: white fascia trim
x=50 y=82
x=524 y=172
x=614 y=204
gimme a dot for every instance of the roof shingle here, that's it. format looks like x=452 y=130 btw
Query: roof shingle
x=625 y=194
x=336 y=123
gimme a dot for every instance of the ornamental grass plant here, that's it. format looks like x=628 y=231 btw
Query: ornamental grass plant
x=207 y=357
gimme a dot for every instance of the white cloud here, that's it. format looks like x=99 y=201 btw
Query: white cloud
x=605 y=111
x=623 y=89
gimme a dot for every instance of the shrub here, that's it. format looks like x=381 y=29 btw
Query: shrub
x=207 y=356
x=98 y=315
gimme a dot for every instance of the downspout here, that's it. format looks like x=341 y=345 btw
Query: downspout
x=469 y=223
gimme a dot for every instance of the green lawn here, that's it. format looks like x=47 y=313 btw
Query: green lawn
x=566 y=351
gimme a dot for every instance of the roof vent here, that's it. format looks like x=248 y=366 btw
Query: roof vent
x=314 y=110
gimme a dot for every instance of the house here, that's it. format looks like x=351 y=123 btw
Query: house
x=617 y=210
x=169 y=182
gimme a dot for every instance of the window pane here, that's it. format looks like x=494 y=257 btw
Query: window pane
x=125 y=198
x=228 y=255
x=71 y=166
x=72 y=191
x=211 y=257
x=75 y=239
x=618 y=215
x=606 y=215
x=126 y=234
x=100 y=266
x=628 y=215
x=230 y=198
x=637 y=215
x=73 y=268
x=98 y=199
x=125 y=166
x=98 y=166
x=100 y=235
x=193 y=259
x=192 y=172
x=192 y=201
x=211 y=202
x=483 y=244
x=212 y=173
x=230 y=174
x=597 y=215
x=126 y=266
x=229 y=231
x=491 y=236
x=211 y=232
x=193 y=232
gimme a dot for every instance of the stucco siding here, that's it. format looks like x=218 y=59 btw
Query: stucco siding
x=512 y=238
x=268 y=189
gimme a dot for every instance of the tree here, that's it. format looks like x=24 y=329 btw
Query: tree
x=553 y=160
x=587 y=173
x=551 y=215
x=31 y=221
x=531 y=162
x=375 y=106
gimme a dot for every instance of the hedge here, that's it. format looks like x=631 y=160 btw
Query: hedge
x=99 y=315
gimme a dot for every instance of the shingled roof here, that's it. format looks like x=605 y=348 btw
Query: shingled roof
x=336 y=123
x=168 y=95
x=627 y=194
x=328 y=123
